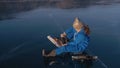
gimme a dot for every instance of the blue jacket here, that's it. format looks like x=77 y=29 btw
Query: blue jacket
x=78 y=42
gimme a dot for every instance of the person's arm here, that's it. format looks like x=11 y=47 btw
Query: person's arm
x=69 y=33
x=78 y=39
x=63 y=49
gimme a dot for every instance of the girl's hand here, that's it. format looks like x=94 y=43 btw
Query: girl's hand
x=63 y=34
x=64 y=44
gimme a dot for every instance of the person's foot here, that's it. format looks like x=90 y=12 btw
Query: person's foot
x=51 y=54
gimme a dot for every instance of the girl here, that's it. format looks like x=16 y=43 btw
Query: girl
x=78 y=37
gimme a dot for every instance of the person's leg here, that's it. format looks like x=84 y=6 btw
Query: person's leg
x=61 y=50
x=55 y=52
x=65 y=49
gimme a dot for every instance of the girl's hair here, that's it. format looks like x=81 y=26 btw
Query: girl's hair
x=87 y=29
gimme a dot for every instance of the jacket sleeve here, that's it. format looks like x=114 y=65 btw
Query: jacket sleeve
x=70 y=33
x=77 y=40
